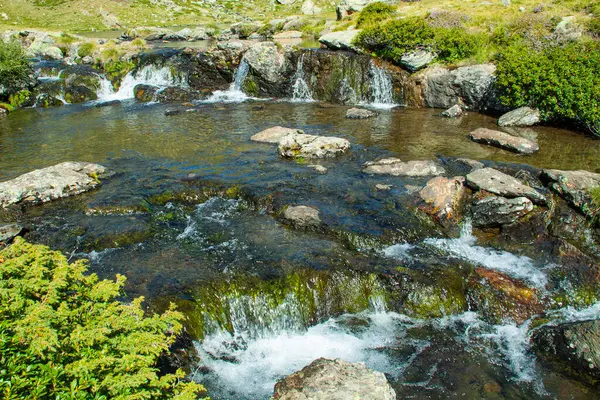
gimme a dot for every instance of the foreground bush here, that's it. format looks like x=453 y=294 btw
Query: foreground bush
x=374 y=13
x=562 y=82
x=15 y=69
x=63 y=335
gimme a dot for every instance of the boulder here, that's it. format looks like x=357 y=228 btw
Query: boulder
x=172 y=111
x=573 y=348
x=495 y=211
x=453 y=112
x=504 y=141
x=396 y=167
x=472 y=165
x=176 y=94
x=496 y=182
x=274 y=134
x=443 y=198
x=309 y=8
x=573 y=186
x=346 y=8
x=9 y=231
x=288 y=35
x=383 y=188
x=145 y=93
x=524 y=116
x=341 y=40
x=302 y=216
x=360 y=113
x=268 y=65
x=471 y=85
x=47 y=184
x=311 y=146
x=417 y=60
x=336 y=379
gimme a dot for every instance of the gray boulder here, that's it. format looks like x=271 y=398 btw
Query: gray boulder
x=302 y=216
x=504 y=141
x=9 y=232
x=523 y=116
x=267 y=63
x=341 y=40
x=311 y=146
x=417 y=60
x=396 y=167
x=573 y=186
x=453 y=112
x=443 y=198
x=573 y=348
x=309 y=8
x=498 y=183
x=346 y=8
x=336 y=379
x=274 y=134
x=360 y=113
x=47 y=184
x=496 y=211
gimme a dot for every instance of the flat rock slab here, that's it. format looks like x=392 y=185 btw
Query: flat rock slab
x=341 y=40
x=274 y=134
x=443 y=198
x=360 y=113
x=572 y=185
x=524 y=116
x=497 y=211
x=337 y=379
x=311 y=146
x=396 y=167
x=9 y=231
x=47 y=184
x=504 y=141
x=302 y=216
x=498 y=183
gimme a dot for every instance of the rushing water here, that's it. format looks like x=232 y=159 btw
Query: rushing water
x=190 y=217
x=381 y=87
x=235 y=93
x=302 y=92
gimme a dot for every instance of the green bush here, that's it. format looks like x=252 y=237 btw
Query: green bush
x=374 y=13
x=86 y=49
x=455 y=44
x=15 y=69
x=64 y=336
x=562 y=82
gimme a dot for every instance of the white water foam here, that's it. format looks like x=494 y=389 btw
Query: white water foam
x=464 y=247
x=161 y=77
x=234 y=94
x=381 y=88
x=301 y=93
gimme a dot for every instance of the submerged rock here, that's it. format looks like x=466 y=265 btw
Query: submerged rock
x=9 y=232
x=336 y=379
x=524 y=116
x=311 y=146
x=453 y=112
x=572 y=348
x=302 y=216
x=172 y=111
x=318 y=168
x=383 y=188
x=360 y=113
x=504 y=141
x=573 y=186
x=47 y=184
x=341 y=40
x=443 y=198
x=498 y=183
x=496 y=211
x=274 y=134
x=396 y=167
x=145 y=93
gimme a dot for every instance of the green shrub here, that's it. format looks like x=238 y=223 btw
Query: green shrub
x=455 y=44
x=63 y=335
x=20 y=98
x=15 y=69
x=374 y=13
x=562 y=82
x=593 y=28
x=86 y=49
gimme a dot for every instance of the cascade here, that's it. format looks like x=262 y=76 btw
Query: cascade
x=302 y=92
x=234 y=94
x=381 y=88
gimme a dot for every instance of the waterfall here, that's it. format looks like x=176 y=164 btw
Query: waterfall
x=381 y=88
x=160 y=77
x=302 y=92
x=234 y=94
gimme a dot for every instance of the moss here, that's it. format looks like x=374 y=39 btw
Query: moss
x=251 y=88
x=443 y=295
x=7 y=107
x=122 y=239
x=580 y=297
x=20 y=98
x=86 y=49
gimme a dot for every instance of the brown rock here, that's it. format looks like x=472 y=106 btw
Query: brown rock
x=443 y=198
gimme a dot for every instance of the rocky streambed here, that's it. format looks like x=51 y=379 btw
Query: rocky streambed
x=394 y=239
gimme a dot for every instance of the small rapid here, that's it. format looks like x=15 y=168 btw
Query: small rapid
x=381 y=88
x=235 y=93
x=301 y=92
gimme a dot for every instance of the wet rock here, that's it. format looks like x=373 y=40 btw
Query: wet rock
x=576 y=266
x=47 y=184
x=176 y=94
x=504 y=141
x=417 y=60
x=383 y=188
x=275 y=134
x=453 y=112
x=444 y=198
x=496 y=211
x=496 y=182
x=269 y=66
x=318 y=168
x=336 y=379
x=341 y=40
x=172 y=111
x=310 y=146
x=108 y=103
x=572 y=348
x=302 y=216
x=395 y=167
x=145 y=93
x=9 y=232
x=360 y=113
x=470 y=85
x=524 y=116
x=573 y=186
x=472 y=164
x=499 y=298
x=79 y=94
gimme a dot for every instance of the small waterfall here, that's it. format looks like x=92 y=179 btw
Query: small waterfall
x=302 y=92
x=234 y=94
x=160 y=77
x=381 y=88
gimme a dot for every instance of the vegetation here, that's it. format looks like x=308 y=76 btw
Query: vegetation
x=374 y=13
x=14 y=69
x=64 y=336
